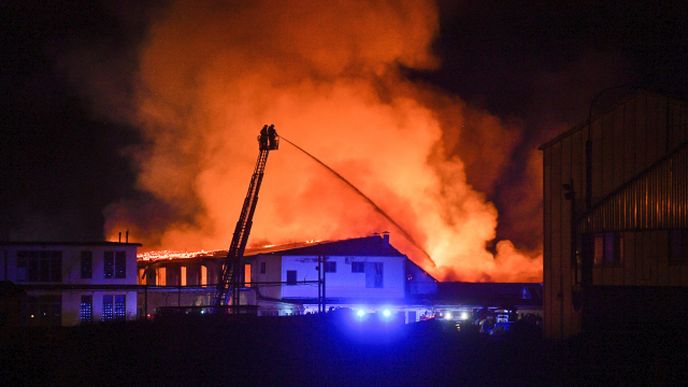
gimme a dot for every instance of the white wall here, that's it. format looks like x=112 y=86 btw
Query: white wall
x=343 y=283
x=71 y=275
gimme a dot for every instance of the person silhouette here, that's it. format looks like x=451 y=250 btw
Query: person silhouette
x=263 y=138
x=272 y=137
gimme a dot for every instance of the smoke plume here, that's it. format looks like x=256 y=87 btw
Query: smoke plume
x=329 y=76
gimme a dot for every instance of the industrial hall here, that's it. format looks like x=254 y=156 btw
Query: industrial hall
x=616 y=218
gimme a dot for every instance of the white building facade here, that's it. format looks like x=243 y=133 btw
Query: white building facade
x=71 y=283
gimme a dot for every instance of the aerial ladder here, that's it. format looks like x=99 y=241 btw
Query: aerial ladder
x=232 y=278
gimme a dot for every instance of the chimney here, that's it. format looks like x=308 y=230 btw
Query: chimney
x=119 y=237
x=126 y=238
x=385 y=236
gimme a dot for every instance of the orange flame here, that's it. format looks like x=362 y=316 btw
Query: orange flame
x=327 y=74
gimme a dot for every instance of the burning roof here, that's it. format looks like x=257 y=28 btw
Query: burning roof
x=373 y=245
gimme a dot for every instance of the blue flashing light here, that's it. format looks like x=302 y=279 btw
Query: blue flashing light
x=360 y=313
x=387 y=313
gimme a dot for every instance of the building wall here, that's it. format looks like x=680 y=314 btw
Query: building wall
x=71 y=287
x=344 y=283
x=625 y=141
x=273 y=273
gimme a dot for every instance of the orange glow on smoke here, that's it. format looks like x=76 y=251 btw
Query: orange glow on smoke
x=327 y=74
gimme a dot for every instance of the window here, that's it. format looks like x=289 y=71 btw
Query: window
x=182 y=275
x=108 y=264
x=39 y=266
x=330 y=267
x=291 y=277
x=143 y=277
x=262 y=268
x=120 y=307
x=86 y=264
x=678 y=246
x=86 y=309
x=374 y=274
x=108 y=308
x=204 y=275
x=44 y=310
x=161 y=276
x=121 y=264
x=247 y=275
x=115 y=264
x=607 y=249
x=358 y=267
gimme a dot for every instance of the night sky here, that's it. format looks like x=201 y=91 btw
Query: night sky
x=535 y=64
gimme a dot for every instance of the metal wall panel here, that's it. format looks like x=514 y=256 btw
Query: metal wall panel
x=657 y=199
x=626 y=142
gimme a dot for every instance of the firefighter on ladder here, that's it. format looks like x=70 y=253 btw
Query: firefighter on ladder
x=263 y=138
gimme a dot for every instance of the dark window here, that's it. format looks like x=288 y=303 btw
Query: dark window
x=291 y=277
x=86 y=309
x=262 y=268
x=44 y=310
x=121 y=264
x=357 y=267
x=374 y=274
x=608 y=249
x=22 y=266
x=330 y=267
x=678 y=246
x=108 y=264
x=86 y=264
x=39 y=266
x=108 y=308
x=120 y=307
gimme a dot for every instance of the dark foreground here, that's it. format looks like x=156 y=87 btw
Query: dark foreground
x=311 y=351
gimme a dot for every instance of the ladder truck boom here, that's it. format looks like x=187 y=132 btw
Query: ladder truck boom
x=232 y=277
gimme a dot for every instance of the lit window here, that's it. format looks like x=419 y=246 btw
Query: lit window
x=357 y=267
x=330 y=267
x=182 y=275
x=120 y=307
x=247 y=275
x=108 y=308
x=142 y=279
x=204 y=275
x=161 y=276
x=86 y=309
x=291 y=277
x=86 y=264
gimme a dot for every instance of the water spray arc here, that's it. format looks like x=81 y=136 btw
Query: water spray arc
x=365 y=197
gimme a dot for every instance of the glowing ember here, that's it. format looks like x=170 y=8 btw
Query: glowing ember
x=156 y=255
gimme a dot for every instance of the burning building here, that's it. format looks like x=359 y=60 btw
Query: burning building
x=367 y=274
x=616 y=218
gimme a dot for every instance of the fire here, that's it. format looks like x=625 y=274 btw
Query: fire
x=328 y=75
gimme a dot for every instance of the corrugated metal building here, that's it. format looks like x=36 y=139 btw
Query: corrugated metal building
x=627 y=227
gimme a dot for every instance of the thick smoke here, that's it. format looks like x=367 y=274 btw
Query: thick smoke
x=328 y=75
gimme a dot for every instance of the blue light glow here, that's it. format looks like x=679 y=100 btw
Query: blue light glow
x=360 y=313
x=448 y=316
x=387 y=313
x=464 y=316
